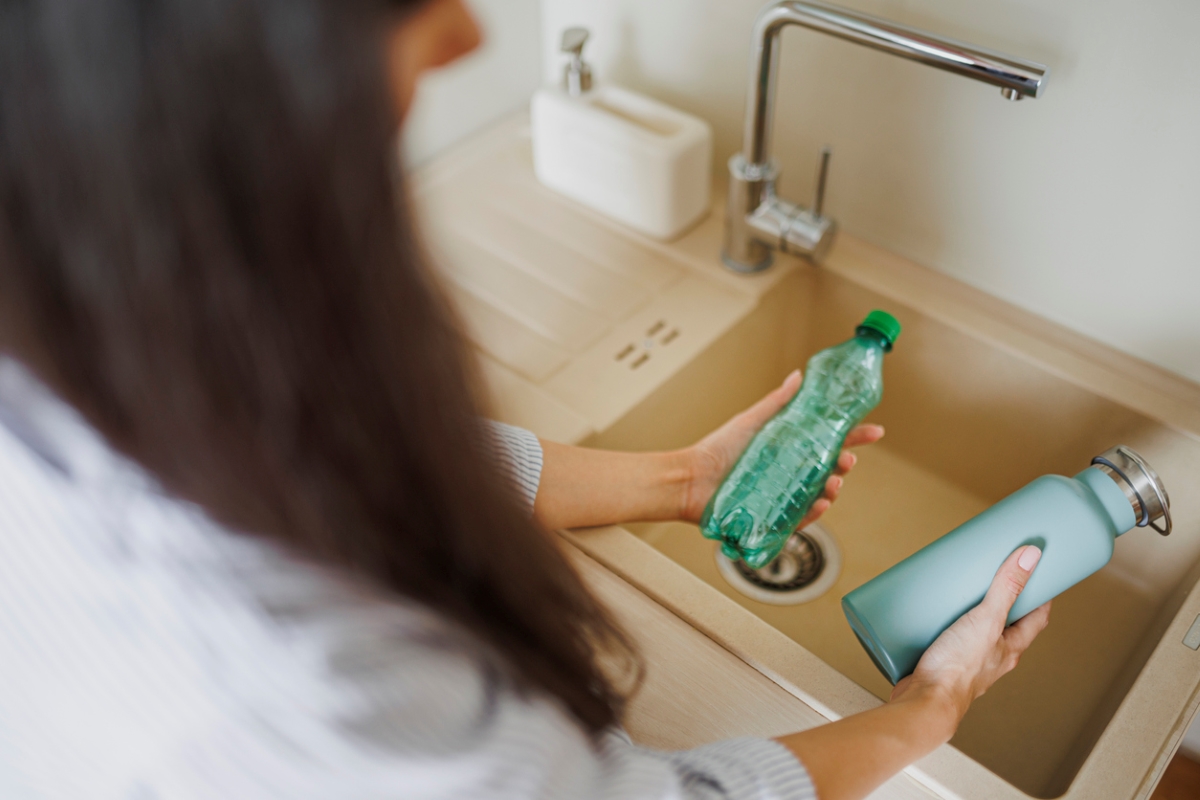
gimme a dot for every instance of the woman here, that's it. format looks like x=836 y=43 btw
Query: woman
x=255 y=541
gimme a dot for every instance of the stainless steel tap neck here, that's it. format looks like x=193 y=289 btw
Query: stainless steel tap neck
x=1016 y=77
x=757 y=221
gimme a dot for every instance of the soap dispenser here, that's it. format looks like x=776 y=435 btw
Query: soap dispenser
x=623 y=154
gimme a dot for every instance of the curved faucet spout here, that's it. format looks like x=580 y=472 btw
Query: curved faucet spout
x=757 y=220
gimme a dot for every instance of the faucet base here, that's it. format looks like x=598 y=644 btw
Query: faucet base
x=758 y=222
x=747 y=269
x=749 y=185
x=791 y=229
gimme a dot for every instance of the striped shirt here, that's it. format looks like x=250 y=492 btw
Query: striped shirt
x=518 y=454
x=146 y=652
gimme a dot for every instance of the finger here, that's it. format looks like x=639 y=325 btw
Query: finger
x=833 y=488
x=845 y=463
x=1010 y=580
x=863 y=434
x=814 y=513
x=899 y=688
x=1021 y=633
x=766 y=408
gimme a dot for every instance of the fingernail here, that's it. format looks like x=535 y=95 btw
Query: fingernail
x=1029 y=559
x=791 y=375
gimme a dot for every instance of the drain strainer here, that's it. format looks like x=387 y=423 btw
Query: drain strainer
x=808 y=565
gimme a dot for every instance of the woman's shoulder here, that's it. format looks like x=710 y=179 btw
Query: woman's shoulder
x=81 y=523
x=131 y=622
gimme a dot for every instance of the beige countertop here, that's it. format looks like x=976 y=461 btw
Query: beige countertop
x=696 y=691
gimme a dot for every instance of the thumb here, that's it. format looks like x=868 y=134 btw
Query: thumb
x=757 y=414
x=900 y=686
x=1010 y=580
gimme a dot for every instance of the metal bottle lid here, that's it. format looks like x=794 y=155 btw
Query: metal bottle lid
x=1141 y=484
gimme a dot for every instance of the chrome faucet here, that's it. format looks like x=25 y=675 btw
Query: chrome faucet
x=757 y=221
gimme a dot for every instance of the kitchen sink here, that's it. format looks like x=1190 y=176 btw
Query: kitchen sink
x=588 y=333
x=967 y=424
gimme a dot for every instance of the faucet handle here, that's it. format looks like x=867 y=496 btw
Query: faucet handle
x=822 y=174
x=577 y=75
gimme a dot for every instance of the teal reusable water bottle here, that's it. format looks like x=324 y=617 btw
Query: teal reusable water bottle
x=1075 y=521
x=783 y=470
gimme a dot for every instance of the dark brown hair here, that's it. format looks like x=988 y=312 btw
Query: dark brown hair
x=202 y=249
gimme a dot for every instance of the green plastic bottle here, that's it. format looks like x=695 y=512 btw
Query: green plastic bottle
x=784 y=469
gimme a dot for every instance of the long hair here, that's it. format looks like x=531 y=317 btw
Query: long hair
x=204 y=249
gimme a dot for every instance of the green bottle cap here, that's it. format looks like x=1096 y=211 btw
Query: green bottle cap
x=884 y=323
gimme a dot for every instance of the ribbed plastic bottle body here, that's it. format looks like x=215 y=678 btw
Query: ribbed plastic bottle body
x=784 y=469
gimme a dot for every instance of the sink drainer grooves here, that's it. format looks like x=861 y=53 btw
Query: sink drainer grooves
x=660 y=334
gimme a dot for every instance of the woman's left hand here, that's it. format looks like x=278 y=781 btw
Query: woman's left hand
x=713 y=456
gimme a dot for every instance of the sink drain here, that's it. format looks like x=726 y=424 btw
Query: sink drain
x=808 y=565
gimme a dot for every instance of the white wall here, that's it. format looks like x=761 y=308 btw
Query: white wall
x=1081 y=206
x=458 y=100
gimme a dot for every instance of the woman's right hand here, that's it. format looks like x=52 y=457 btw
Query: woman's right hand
x=978 y=649
x=850 y=758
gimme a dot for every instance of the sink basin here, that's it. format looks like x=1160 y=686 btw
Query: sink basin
x=967 y=424
x=588 y=333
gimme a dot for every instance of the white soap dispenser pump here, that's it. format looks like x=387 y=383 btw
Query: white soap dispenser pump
x=625 y=155
x=577 y=74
